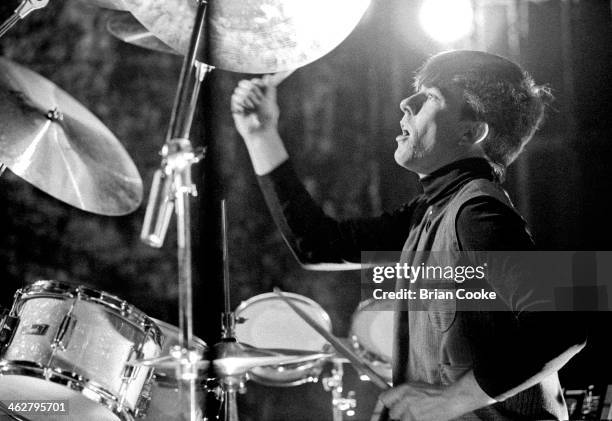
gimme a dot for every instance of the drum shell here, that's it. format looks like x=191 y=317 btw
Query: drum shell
x=371 y=334
x=271 y=323
x=101 y=334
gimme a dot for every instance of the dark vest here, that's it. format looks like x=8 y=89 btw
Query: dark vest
x=431 y=345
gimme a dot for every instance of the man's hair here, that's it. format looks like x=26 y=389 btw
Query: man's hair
x=496 y=91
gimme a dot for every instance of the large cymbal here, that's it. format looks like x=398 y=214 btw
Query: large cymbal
x=56 y=144
x=125 y=26
x=254 y=36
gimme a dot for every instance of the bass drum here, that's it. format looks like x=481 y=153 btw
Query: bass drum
x=165 y=404
x=266 y=321
x=372 y=334
x=72 y=344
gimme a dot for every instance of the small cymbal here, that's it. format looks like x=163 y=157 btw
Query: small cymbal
x=53 y=142
x=254 y=36
x=125 y=26
x=233 y=358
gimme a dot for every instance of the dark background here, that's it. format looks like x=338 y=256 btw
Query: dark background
x=339 y=116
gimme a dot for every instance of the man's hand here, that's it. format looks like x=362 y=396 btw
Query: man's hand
x=425 y=402
x=416 y=402
x=255 y=114
x=254 y=107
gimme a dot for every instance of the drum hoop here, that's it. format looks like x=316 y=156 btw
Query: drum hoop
x=372 y=357
x=72 y=381
x=118 y=307
x=296 y=297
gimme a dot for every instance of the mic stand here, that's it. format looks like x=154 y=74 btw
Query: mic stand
x=23 y=10
x=177 y=158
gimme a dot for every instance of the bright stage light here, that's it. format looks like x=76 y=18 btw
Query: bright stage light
x=447 y=20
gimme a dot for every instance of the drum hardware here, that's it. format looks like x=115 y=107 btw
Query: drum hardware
x=53 y=142
x=178 y=156
x=341 y=405
x=74 y=344
x=233 y=360
x=66 y=327
x=24 y=9
x=8 y=325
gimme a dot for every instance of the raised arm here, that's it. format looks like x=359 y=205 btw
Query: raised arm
x=317 y=241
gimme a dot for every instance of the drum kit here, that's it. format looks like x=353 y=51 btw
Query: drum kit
x=104 y=357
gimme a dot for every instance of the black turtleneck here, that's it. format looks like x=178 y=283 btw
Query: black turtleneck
x=483 y=223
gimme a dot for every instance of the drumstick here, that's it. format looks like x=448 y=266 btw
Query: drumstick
x=342 y=349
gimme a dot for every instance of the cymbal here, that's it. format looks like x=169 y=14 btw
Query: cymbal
x=254 y=36
x=125 y=26
x=233 y=358
x=53 y=142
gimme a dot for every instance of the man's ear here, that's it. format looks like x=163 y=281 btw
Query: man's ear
x=474 y=132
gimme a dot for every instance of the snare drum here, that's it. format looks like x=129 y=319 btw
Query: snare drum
x=268 y=322
x=165 y=404
x=72 y=344
x=372 y=334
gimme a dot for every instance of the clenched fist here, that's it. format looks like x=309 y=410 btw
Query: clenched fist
x=254 y=107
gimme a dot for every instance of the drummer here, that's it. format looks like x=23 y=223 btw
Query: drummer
x=469 y=118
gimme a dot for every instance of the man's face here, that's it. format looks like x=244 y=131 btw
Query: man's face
x=431 y=130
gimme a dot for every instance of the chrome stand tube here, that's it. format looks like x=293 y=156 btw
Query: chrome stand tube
x=178 y=157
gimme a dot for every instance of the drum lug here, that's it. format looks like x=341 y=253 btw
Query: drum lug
x=129 y=371
x=8 y=326
x=142 y=404
x=64 y=333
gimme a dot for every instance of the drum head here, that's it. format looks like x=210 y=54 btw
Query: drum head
x=271 y=323
x=78 y=407
x=372 y=328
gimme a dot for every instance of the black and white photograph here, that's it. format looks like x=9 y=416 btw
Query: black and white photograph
x=289 y=210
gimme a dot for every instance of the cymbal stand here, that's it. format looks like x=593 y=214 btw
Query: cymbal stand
x=230 y=385
x=178 y=156
x=23 y=10
x=340 y=404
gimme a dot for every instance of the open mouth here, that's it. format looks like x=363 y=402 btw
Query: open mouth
x=405 y=130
